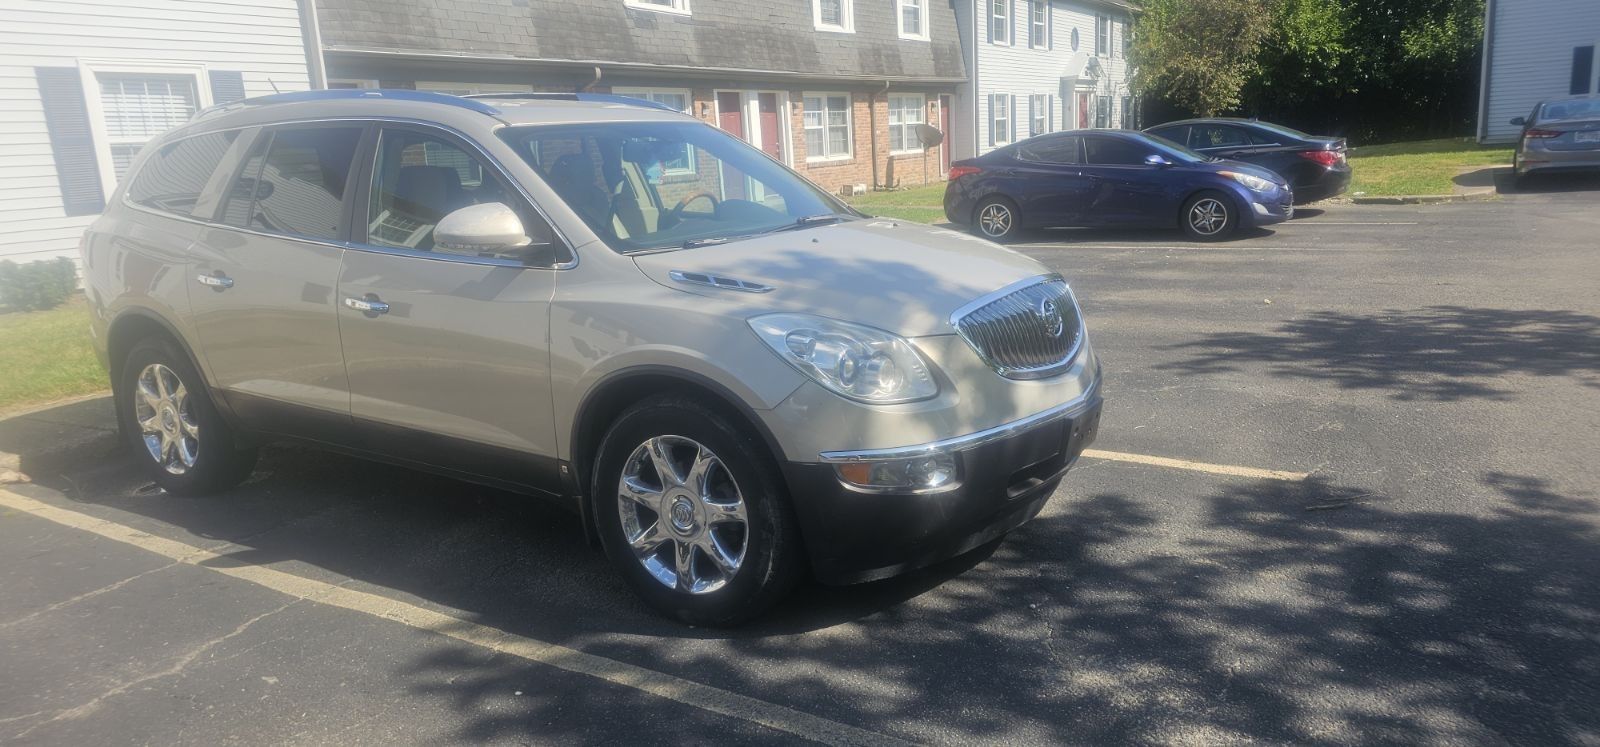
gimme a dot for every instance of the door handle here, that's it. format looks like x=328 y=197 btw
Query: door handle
x=217 y=281
x=370 y=306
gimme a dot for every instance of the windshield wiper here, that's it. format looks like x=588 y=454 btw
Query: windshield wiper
x=810 y=220
x=697 y=243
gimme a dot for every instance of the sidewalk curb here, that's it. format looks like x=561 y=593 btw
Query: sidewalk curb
x=1425 y=199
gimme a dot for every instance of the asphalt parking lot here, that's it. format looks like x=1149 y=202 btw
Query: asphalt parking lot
x=1346 y=490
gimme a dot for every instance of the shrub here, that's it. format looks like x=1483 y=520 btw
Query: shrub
x=36 y=286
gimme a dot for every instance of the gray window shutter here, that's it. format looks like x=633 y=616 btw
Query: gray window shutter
x=227 y=86
x=71 y=140
x=1582 y=65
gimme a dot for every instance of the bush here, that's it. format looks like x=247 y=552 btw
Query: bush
x=36 y=286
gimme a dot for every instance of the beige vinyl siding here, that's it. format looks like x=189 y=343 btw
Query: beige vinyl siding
x=259 y=38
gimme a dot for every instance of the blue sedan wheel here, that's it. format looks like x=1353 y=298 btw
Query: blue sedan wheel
x=1208 y=217
x=997 y=218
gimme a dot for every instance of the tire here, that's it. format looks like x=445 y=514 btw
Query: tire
x=996 y=218
x=173 y=427
x=1219 y=221
x=699 y=518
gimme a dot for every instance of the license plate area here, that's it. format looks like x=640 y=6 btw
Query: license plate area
x=1592 y=136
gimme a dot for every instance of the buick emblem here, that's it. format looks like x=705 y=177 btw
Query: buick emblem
x=1050 y=316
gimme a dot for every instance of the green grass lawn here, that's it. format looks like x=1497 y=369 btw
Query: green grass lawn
x=1422 y=167
x=919 y=204
x=46 y=356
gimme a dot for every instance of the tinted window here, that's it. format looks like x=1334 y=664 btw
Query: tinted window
x=299 y=187
x=1051 y=150
x=173 y=177
x=1106 y=151
x=241 y=194
x=1217 y=136
x=420 y=178
x=1175 y=134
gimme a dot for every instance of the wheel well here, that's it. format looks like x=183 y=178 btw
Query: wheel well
x=994 y=197
x=126 y=332
x=621 y=391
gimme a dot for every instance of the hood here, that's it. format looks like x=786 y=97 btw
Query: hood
x=902 y=277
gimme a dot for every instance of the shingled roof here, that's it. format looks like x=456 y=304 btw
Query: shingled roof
x=744 y=35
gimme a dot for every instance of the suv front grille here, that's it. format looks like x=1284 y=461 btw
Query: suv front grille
x=1026 y=331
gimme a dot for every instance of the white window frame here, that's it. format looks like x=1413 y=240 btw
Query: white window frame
x=908 y=133
x=1000 y=135
x=847 y=17
x=648 y=94
x=1102 y=36
x=922 y=16
x=1039 y=29
x=1000 y=20
x=467 y=89
x=1127 y=39
x=849 y=126
x=1038 y=114
x=675 y=7
x=89 y=72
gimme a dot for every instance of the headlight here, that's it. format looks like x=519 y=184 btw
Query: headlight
x=862 y=363
x=1254 y=182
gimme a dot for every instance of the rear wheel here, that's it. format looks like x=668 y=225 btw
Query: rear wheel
x=173 y=427
x=693 y=513
x=1209 y=216
x=996 y=218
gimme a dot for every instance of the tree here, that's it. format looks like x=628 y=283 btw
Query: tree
x=1198 y=54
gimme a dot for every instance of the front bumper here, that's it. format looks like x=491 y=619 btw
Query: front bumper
x=1006 y=475
x=1266 y=211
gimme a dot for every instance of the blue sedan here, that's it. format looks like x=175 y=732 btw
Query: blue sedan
x=1111 y=178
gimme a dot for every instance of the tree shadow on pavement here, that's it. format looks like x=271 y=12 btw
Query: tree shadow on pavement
x=1440 y=353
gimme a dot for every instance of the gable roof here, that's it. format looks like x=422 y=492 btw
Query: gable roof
x=732 y=35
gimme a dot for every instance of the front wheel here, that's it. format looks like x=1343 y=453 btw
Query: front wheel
x=692 y=511
x=172 y=425
x=996 y=218
x=1209 y=216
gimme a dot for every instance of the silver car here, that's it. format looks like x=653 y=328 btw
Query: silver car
x=1559 y=135
x=733 y=378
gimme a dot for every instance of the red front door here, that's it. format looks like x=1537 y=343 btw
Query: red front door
x=1083 y=110
x=730 y=117
x=770 y=143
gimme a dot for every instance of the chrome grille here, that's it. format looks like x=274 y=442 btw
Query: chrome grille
x=1028 y=330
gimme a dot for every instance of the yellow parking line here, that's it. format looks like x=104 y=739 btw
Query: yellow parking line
x=683 y=691
x=1215 y=469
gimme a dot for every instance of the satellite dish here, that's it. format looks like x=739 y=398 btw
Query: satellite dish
x=929 y=135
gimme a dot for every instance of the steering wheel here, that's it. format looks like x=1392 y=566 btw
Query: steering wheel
x=677 y=210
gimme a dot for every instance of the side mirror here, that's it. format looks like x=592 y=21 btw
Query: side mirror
x=487 y=229
x=1156 y=159
x=1519 y=121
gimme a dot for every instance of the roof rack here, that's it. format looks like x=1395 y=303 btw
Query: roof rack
x=596 y=98
x=345 y=94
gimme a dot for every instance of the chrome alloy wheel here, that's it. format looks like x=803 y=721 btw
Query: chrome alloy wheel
x=682 y=514
x=1208 y=216
x=995 y=219
x=166 y=419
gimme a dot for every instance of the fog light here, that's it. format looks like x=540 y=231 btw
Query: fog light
x=929 y=472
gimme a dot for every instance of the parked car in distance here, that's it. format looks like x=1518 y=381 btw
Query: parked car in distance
x=1088 y=178
x=1559 y=135
x=1315 y=166
x=734 y=378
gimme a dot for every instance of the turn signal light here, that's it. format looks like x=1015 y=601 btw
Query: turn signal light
x=1541 y=134
x=956 y=172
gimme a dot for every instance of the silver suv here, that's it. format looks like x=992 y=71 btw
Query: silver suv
x=732 y=377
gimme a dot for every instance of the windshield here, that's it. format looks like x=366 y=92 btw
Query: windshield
x=1175 y=151
x=658 y=185
x=1576 y=109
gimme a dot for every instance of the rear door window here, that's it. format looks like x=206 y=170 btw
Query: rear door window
x=1179 y=135
x=173 y=177
x=1058 y=150
x=294 y=182
x=1204 y=136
